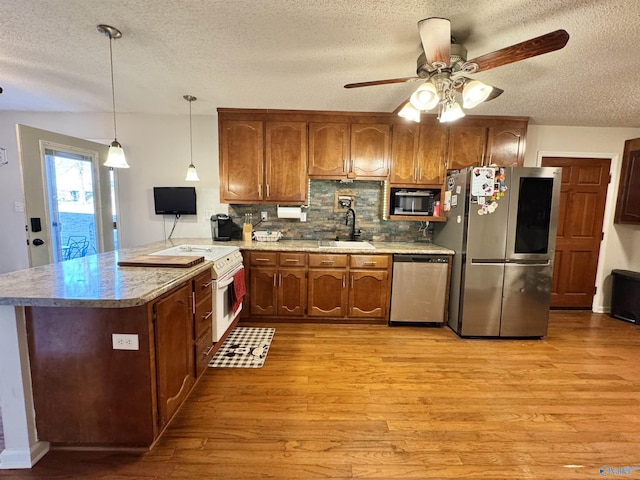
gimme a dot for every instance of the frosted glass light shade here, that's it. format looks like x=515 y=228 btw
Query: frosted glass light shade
x=192 y=174
x=451 y=112
x=425 y=97
x=474 y=93
x=116 y=158
x=409 y=112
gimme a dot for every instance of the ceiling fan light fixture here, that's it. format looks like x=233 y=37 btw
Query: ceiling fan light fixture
x=451 y=112
x=475 y=92
x=425 y=97
x=409 y=112
x=115 y=157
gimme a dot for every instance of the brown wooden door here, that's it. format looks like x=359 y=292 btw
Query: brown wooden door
x=263 y=290
x=286 y=162
x=328 y=149
x=466 y=147
x=582 y=202
x=505 y=146
x=174 y=350
x=242 y=161
x=628 y=204
x=292 y=291
x=370 y=147
x=404 y=152
x=432 y=154
x=368 y=293
x=327 y=293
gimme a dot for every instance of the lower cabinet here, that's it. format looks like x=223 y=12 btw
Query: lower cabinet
x=321 y=287
x=89 y=394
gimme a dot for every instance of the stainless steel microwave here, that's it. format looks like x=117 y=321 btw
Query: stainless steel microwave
x=412 y=202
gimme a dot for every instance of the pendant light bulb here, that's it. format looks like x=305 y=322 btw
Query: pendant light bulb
x=115 y=158
x=192 y=174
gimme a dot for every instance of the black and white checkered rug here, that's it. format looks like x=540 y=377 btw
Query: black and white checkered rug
x=245 y=347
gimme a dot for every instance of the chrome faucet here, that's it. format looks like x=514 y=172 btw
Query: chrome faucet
x=354 y=234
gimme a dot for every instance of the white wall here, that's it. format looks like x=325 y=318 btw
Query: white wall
x=620 y=247
x=157 y=149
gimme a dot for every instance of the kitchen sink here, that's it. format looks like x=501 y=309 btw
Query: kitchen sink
x=344 y=244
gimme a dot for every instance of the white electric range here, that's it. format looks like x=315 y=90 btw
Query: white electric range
x=227 y=262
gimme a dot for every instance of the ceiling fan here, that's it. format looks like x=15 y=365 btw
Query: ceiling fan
x=444 y=66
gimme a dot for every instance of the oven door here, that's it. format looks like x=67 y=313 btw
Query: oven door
x=223 y=297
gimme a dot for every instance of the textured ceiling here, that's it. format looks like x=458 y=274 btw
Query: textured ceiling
x=298 y=54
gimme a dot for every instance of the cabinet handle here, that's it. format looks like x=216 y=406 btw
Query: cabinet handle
x=274 y=280
x=206 y=354
x=415 y=173
x=268 y=191
x=327 y=262
x=292 y=260
x=193 y=302
x=482 y=159
x=208 y=284
x=352 y=280
x=259 y=190
x=344 y=283
x=344 y=165
x=279 y=279
x=370 y=264
x=419 y=173
x=262 y=259
x=207 y=316
x=490 y=157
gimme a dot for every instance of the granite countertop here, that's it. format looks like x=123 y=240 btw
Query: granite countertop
x=98 y=281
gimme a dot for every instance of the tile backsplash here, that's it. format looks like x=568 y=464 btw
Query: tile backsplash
x=326 y=223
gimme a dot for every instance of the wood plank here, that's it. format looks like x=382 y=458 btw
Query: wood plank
x=183 y=261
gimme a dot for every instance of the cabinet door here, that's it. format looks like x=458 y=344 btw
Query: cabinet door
x=465 y=147
x=241 y=161
x=263 y=291
x=327 y=293
x=368 y=293
x=370 y=147
x=286 y=162
x=404 y=153
x=628 y=203
x=292 y=291
x=328 y=149
x=432 y=154
x=505 y=146
x=174 y=350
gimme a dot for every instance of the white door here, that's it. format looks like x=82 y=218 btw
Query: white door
x=68 y=196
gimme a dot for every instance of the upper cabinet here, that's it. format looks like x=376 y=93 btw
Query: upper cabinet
x=628 y=204
x=418 y=154
x=263 y=161
x=349 y=150
x=505 y=145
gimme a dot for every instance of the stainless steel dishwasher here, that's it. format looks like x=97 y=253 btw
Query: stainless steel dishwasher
x=419 y=289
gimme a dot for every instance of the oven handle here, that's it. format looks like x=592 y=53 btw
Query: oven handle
x=229 y=281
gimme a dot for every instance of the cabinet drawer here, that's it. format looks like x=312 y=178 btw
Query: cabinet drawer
x=203 y=351
x=292 y=259
x=327 y=260
x=202 y=285
x=263 y=258
x=203 y=316
x=370 y=261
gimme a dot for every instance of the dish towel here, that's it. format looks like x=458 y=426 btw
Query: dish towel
x=239 y=289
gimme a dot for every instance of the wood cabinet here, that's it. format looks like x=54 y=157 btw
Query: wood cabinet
x=628 y=203
x=466 y=146
x=418 y=154
x=351 y=286
x=349 y=150
x=263 y=161
x=278 y=284
x=88 y=393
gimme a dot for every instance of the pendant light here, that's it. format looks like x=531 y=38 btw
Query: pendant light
x=115 y=158
x=192 y=174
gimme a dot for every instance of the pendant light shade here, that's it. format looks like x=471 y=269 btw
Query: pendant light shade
x=410 y=112
x=115 y=158
x=192 y=174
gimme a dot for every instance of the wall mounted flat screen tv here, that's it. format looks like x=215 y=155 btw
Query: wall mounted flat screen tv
x=174 y=200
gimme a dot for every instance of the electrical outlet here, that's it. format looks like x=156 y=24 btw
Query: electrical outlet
x=125 y=341
x=263 y=216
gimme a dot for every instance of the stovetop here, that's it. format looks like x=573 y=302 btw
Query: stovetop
x=224 y=258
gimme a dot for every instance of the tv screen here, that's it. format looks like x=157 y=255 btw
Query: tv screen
x=175 y=200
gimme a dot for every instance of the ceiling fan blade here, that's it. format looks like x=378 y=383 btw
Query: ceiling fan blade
x=435 y=34
x=521 y=51
x=380 y=82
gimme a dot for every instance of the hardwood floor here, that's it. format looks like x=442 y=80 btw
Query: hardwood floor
x=372 y=402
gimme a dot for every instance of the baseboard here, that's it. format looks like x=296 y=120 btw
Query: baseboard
x=23 y=458
x=602 y=309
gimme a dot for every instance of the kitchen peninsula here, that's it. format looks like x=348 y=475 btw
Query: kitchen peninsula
x=121 y=394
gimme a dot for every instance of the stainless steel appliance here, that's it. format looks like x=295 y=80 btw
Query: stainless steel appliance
x=227 y=262
x=419 y=289
x=223 y=229
x=502 y=223
x=412 y=202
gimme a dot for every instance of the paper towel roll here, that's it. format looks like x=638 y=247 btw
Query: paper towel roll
x=289 y=212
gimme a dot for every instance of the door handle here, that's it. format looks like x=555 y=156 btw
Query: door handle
x=37 y=242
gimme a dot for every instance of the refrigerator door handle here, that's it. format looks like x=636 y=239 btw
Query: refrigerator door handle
x=538 y=263
x=488 y=261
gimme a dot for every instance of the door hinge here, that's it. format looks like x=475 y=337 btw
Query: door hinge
x=602 y=236
x=154 y=315
x=609 y=178
x=595 y=290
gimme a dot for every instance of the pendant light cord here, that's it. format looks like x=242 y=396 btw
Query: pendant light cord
x=113 y=90
x=190 y=135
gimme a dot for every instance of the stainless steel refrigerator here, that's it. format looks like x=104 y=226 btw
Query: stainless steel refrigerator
x=502 y=224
